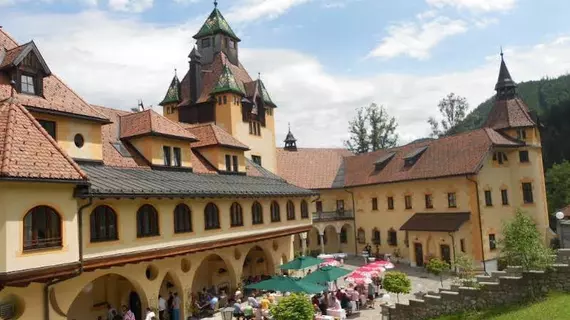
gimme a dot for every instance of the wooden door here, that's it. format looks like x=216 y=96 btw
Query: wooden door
x=445 y=253
x=419 y=253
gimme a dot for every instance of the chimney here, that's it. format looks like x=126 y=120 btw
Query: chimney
x=195 y=75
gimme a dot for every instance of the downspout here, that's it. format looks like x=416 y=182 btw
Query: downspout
x=452 y=235
x=76 y=273
x=480 y=224
x=354 y=219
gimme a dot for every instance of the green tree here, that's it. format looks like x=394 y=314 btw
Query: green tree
x=465 y=268
x=382 y=128
x=523 y=245
x=293 y=307
x=453 y=108
x=437 y=267
x=358 y=141
x=558 y=186
x=397 y=282
x=371 y=129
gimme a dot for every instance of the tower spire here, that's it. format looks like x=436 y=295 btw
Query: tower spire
x=290 y=141
x=505 y=87
x=215 y=3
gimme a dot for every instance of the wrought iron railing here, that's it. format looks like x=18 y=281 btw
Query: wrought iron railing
x=333 y=215
x=31 y=244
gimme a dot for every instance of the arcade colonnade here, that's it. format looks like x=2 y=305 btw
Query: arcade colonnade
x=327 y=237
x=139 y=285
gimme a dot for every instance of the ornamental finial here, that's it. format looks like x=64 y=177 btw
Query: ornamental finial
x=215 y=3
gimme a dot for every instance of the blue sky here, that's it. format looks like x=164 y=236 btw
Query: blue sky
x=320 y=59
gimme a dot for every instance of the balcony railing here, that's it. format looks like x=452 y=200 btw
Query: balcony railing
x=333 y=215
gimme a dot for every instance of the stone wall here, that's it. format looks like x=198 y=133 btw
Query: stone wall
x=501 y=287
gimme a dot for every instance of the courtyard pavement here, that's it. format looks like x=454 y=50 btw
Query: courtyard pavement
x=421 y=281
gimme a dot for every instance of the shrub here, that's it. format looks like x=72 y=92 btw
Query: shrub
x=397 y=282
x=293 y=307
x=523 y=245
x=437 y=267
x=465 y=268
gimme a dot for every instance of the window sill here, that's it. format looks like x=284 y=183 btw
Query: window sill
x=257 y=223
x=275 y=221
x=42 y=249
x=212 y=228
x=103 y=240
x=182 y=232
x=452 y=207
x=148 y=236
x=236 y=226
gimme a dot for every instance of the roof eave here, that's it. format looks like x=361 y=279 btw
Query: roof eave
x=46 y=180
x=158 y=134
x=68 y=114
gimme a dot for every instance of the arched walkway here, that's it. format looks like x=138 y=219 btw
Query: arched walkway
x=332 y=241
x=313 y=241
x=297 y=244
x=169 y=287
x=214 y=275
x=257 y=263
x=347 y=238
x=110 y=288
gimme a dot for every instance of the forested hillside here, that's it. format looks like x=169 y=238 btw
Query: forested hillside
x=550 y=99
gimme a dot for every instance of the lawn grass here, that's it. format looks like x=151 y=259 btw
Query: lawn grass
x=554 y=307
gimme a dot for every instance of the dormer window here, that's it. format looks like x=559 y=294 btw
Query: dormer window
x=167 y=156
x=383 y=161
x=232 y=44
x=206 y=43
x=521 y=134
x=27 y=83
x=411 y=158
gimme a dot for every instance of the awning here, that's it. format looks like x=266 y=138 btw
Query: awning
x=435 y=221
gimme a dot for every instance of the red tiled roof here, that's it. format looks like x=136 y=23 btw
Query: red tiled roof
x=28 y=151
x=210 y=134
x=10 y=55
x=57 y=96
x=310 y=168
x=210 y=78
x=500 y=140
x=149 y=122
x=509 y=113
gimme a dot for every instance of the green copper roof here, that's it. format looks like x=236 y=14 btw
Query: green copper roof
x=227 y=82
x=265 y=94
x=216 y=24
x=173 y=93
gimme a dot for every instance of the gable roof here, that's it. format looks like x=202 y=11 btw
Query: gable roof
x=148 y=122
x=27 y=151
x=509 y=113
x=227 y=82
x=311 y=168
x=215 y=23
x=16 y=55
x=210 y=134
x=57 y=97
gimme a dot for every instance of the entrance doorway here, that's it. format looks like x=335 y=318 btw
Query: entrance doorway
x=135 y=304
x=419 y=253
x=445 y=253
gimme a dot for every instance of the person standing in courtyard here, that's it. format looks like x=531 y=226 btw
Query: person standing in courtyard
x=150 y=315
x=128 y=314
x=110 y=312
x=176 y=307
x=161 y=307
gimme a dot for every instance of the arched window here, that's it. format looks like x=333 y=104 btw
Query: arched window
x=211 y=217
x=256 y=213
x=103 y=224
x=275 y=213
x=392 y=237
x=236 y=215
x=42 y=228
x=182 y=219
x=290 y=210
x=361 y=235
x=147 y=222
x=304 y=210
x=376 y=236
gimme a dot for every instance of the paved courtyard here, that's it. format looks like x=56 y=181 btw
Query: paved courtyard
x=421 y=281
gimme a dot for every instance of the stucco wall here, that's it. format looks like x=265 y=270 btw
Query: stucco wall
x=151 y=149
x=126 y=215
x=67 y=128
x=16 y=199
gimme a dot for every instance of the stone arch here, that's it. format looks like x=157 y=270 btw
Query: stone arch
x=257 y=262
x=171 y=284
x=297 y=244
x=112 y=288
x=214 y=273
x=313 y=240
x=332 y=241
x=346 y=238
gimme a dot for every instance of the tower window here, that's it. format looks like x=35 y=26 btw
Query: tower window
x=177 y=157
x=451 y=200
x=232 y=44
x=521 y=134
x=27 y=84
x=254 y=128
x=225 y=99
x=523 y=156
x=206 y=43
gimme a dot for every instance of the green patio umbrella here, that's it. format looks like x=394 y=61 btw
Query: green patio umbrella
x=326 y=274
x=301 y=263
x=287 y=284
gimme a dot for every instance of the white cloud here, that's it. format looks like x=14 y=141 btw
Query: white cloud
x=130 y=5
x=475 y=5
x=115 y=61
x=250 y=10
x=416 y=39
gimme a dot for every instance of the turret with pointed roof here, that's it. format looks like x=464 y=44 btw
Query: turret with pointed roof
x=509 y=110
x=228 y=83
x=290 y=141
x=173 y=93
x=216 y=23
x=216 y=36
